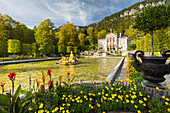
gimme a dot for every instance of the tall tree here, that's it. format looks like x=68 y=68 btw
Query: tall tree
x=133 y=33
x=9 y=26
x=153 y=18
x=68 y=35
x=81 y=38
x=101 y=34
x=24 y=34
x=162 y=40
x=91 y=33
x=44 y=34
x=2 y=30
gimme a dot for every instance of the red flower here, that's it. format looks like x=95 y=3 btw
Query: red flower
x=2 y=84
x=49 y=72
x=68 y=74
x=49 y=82
x=56 y=83
x=43 y=78
x=12 y=76
x=42 y=87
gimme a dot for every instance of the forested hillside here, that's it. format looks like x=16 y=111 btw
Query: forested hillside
x=123 y=19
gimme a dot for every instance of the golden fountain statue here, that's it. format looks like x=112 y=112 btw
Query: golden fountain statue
x=71 y=60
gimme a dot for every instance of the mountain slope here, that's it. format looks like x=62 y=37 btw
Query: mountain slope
x=122 y=19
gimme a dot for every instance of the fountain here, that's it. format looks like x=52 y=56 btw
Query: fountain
x=71 y=60
x=154 y=68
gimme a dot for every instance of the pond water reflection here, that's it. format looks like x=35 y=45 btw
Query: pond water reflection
x=89 y=68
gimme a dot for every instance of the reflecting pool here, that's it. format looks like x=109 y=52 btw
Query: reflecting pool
x=90 y=68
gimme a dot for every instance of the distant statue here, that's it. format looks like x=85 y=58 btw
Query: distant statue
x=70 y=60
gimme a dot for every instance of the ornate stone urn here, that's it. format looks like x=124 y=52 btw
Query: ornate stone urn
x=154 y=68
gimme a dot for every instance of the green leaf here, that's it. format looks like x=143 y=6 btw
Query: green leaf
x=18 y=106
x=3 y=111
x=4 y=100
x=17 y=93
x=72 y=79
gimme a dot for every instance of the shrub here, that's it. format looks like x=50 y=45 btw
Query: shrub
x=61 y=48
x=131 y=47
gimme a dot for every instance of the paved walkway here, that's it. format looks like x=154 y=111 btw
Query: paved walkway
x=124 y=70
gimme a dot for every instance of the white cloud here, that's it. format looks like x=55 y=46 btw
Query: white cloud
x=80 y=12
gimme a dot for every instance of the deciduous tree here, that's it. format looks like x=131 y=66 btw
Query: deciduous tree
x=153 y=18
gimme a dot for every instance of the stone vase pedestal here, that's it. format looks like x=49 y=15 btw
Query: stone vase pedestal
x=154 y=68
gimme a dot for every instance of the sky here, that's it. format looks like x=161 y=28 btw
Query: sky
x=78 y=12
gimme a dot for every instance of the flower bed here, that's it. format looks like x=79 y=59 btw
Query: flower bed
x=87 y=97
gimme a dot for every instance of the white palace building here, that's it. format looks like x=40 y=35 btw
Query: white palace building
x=114 y=43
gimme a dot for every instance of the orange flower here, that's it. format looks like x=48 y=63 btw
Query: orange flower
x=2 y=84
x=43 y=78
x=68 y=73
x=49 y=72
x=49 y=82
x=12 y=76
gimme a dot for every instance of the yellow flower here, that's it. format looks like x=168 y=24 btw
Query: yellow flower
x=106 y=95
x=166 y=103
x=157 y=87
x=140 y=101
x=72 y=100
x=139 y=111
x=89 y=94
x=112 y=88
x=99 y=93
x=163 y=97
x=30 y=109
x=98 y=105
x=136 y=106
x=85 y=96
x=117 y=100
x=144 y=104
x=61 y=108
x=127 y=96
x=55 y=110
x=132 y=101
x=46 y=111
x=103 y=112
x=68 y=104
x=41 y=111
x=127 y=101
x=41 y=106
x=134 y=93
x=167 y=99
x=81 y=101
x=145 y=99
x=81 y=92
x=67 y=111
x=63 y=104
x=168 y=109
x=90 y=99
x=64 y=95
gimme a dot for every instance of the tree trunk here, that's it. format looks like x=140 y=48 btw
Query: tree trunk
x=152 y=42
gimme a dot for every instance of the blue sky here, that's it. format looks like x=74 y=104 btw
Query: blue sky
x=79 y=12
